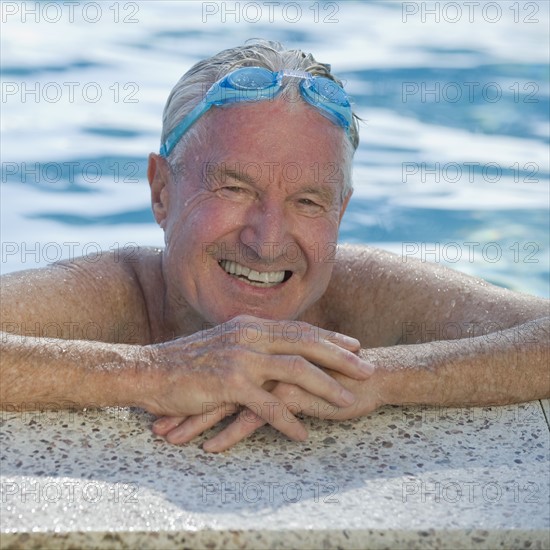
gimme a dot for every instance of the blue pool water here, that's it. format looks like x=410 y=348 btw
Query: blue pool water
x=453 y=162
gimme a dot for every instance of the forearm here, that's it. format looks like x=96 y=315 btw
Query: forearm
x=53 y=373
x=499 y=368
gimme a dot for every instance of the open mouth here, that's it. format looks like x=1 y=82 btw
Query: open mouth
x=265 y=279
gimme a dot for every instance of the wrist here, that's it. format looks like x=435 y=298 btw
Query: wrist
x=386 y=385
x=407 y=374
x=140 y=382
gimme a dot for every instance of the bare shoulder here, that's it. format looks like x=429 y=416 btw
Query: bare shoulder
x=96 y=298
x=374 y=294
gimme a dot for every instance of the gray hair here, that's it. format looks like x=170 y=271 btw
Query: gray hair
x=193 y=85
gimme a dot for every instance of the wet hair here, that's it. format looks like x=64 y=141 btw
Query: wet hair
x=193 y=85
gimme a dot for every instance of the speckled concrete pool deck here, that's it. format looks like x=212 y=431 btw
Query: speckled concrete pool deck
x=403 y=477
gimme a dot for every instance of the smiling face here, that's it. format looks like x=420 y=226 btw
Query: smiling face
x=251 y=222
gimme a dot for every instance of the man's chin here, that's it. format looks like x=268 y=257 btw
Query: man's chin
x=260 y=312
x=267 y=315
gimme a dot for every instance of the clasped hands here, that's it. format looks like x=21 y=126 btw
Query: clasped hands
x=266 y=371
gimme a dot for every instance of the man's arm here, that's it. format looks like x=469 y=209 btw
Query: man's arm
x=393 y=300
x=180 y=378
x=510 y=367
x=78 y=368
x=434 y=336
x=82 y=299
x=459 y=339
x=48 y=373
x=68 y=333
x=507 y=366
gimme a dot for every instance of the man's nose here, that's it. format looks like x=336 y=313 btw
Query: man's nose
x=266 y=226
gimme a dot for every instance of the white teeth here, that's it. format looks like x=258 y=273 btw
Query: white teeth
x=266 y=277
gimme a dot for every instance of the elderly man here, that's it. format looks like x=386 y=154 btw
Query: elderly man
x=250 y=308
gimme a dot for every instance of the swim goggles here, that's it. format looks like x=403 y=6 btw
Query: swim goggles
x=257 y=84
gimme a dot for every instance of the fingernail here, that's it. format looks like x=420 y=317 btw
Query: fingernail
x=209 y=447
x=160 y=424
x=367 y=368
x=350 y=341
x=348 y=397
x=179 y=435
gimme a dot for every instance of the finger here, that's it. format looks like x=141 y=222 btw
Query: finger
x=342 y=340
x=310 y=405
x=334 y=357
x=197 y=424
x=163 y=425
x=323 y=349
x=300 y=372
x=273 y=411
x=245 y=424
x=316 y=407
x=293 y=331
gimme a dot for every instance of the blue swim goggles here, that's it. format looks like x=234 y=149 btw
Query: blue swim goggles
x=256 y=84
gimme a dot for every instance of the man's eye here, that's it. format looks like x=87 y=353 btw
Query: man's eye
x=309 y=206
x=232 y=189
x=309 y=203
x=234 y=193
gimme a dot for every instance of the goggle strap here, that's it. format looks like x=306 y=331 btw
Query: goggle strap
x=176 y=134
x=333 y=114
x=298 y=74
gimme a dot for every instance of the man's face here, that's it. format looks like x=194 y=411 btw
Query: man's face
x=252 y=220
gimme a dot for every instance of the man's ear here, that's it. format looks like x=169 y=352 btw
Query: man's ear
x=159 y=175
x=345 y=205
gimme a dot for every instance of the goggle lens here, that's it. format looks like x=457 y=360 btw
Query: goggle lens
x=251 y=78
x=328 y=90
